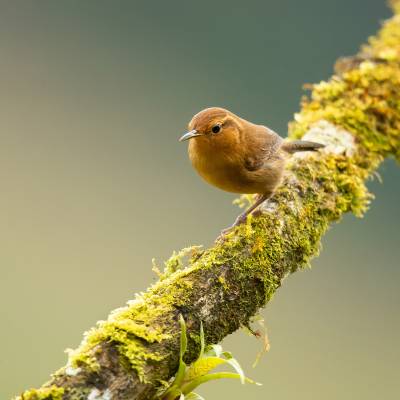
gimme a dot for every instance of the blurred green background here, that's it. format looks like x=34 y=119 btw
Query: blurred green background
x=93 y=96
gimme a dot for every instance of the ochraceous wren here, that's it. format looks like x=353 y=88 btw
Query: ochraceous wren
x=238 y=156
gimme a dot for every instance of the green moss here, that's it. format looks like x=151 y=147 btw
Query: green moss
x=222 y=281
x=129 y=331
x=132 y=328
x=365 y=100
x=44 y=393
x=178 y=261
x=386 y=45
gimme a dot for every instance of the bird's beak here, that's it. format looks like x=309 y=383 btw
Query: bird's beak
x=189 y=135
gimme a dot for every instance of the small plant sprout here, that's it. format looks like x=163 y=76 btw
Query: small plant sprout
x=189 y=377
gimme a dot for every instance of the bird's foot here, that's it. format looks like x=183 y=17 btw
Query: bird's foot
x=241 y=219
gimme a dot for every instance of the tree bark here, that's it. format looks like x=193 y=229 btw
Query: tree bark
x=357 y=115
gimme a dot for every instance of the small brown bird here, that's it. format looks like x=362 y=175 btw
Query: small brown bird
x=238 y=156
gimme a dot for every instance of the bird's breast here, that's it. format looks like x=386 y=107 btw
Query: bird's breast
x=223 y=169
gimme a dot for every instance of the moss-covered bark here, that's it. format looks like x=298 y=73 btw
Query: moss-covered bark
x=357 y=114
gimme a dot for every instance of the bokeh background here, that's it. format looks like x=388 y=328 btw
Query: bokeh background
x=93 y=96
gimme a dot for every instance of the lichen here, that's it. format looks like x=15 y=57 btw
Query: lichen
x=96 y=394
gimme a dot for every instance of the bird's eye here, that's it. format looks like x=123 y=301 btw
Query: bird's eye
x=216 y=128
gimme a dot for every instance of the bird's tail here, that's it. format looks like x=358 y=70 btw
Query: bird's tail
x=301 y=145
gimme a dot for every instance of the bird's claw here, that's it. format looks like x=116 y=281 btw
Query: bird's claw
x=241 y=219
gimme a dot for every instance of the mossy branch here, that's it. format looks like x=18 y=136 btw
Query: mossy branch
x=136 y=351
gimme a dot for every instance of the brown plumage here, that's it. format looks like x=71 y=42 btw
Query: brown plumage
x=238 y=156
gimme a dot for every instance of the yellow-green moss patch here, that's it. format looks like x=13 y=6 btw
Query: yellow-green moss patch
x=44 y=393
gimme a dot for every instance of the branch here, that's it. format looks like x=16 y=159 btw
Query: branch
x=136 y=351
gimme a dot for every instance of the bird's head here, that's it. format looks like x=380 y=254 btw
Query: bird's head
x=212 y=123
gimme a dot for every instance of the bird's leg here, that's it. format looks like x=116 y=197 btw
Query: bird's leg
x=242 y=217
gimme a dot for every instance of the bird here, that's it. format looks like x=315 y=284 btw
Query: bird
x=238 y=156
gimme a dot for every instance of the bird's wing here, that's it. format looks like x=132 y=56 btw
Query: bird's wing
x=264 y=145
